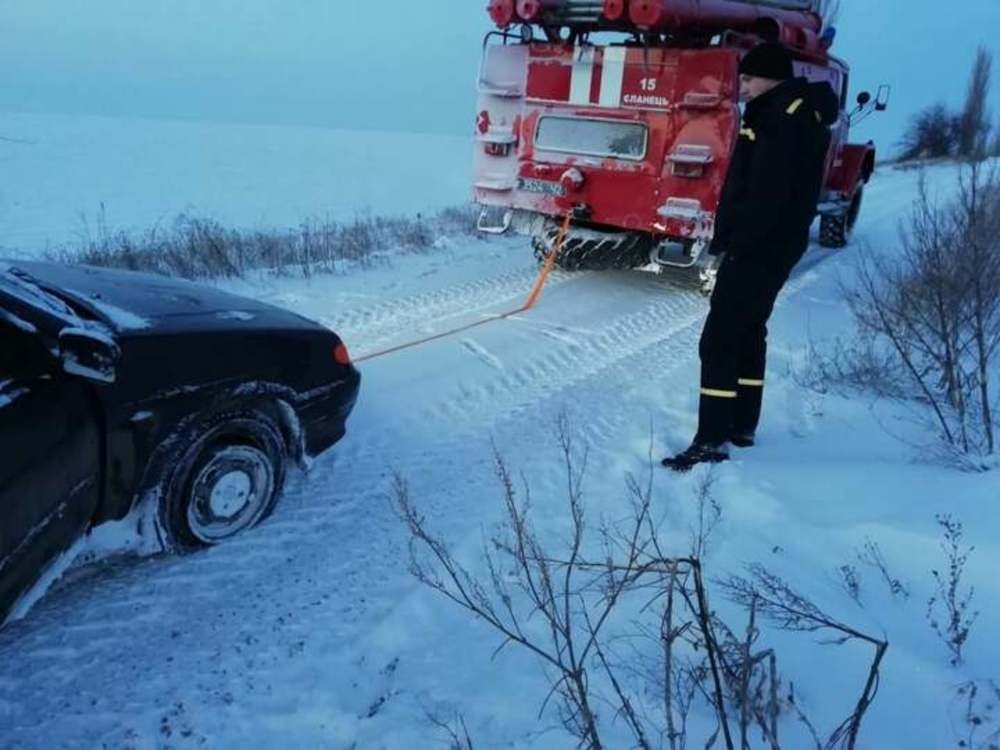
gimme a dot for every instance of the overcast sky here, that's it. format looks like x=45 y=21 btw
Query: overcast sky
x=384 y=64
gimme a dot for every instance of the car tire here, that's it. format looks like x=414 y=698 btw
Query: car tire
x=227 y=479
x=835 y=229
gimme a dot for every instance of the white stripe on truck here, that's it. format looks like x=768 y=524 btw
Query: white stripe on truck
x=612 y=76
x=583 y=75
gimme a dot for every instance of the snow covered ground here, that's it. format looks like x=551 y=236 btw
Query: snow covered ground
x=65 y=175
x=309 y=632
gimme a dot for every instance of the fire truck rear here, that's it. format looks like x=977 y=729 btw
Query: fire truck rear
x=624 y=113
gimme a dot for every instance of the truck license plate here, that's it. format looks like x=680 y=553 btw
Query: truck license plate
x=541 y=186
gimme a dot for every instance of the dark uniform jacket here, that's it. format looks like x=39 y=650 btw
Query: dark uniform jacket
x=775 y=177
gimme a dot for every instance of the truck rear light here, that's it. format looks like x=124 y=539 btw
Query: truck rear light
x=690 y=159
x=572 y=179
x=497 y=149
x=341 y=355
x=687 y=170
x=614 y=10
x=483 y=122
x=528 y=9
x=502 y=12
x=646 y=12
x=682 y=209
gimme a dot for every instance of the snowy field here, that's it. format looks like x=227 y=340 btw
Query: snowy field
x=63 y=176
x=309 y=632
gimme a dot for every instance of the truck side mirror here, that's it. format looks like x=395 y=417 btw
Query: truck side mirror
x=863 y=98
x=88 y=354
x=882 y=100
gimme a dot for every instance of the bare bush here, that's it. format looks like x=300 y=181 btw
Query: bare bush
x=751 y=679
x=860 y=364
x=978 y=715
x=930 y=134
x=851 y=581
x=574 y=598
x=452 y=727
x=935 y=132
x=194 y=247
x=709 y=515
x=577 y=599
x=775 y=599
x=871 y=555
x=948 y=609
x=613 y=618
x=932 y=313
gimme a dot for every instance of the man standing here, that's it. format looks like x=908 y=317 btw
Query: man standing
x=762 y=229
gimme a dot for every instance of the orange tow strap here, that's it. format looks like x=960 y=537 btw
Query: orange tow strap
x=550 y=261
x=536 y=291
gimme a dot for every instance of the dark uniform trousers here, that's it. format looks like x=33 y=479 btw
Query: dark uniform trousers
x=733 y=350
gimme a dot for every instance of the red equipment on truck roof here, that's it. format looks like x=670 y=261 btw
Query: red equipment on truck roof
x=624 y=113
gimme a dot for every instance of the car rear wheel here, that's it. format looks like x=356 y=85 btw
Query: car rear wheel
x=227 y=481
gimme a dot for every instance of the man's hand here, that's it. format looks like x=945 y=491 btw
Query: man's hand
x=708 y=273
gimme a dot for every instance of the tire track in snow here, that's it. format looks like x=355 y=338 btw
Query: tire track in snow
x=568 y=360
x=645 y=346
x=398 y=320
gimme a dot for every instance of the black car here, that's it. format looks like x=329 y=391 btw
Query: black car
x=117 y=386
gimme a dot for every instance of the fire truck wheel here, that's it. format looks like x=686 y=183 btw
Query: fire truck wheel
x=835 y=229
x=539 y=250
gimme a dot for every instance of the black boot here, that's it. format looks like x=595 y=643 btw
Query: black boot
x=743 y=439
x=698 y=453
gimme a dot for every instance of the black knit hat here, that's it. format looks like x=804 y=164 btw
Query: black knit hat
x=768 y=60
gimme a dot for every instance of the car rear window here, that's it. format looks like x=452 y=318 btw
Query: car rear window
x=592 y=137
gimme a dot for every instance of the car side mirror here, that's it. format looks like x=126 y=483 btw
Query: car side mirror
x=88 y=354
x=863 y=98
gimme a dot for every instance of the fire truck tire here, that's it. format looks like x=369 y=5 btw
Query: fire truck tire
x=835 y=229
x=594 y=255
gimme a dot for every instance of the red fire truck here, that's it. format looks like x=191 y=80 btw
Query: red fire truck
x=624 y=113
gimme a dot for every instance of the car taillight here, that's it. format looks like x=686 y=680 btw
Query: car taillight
x=341 y=355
